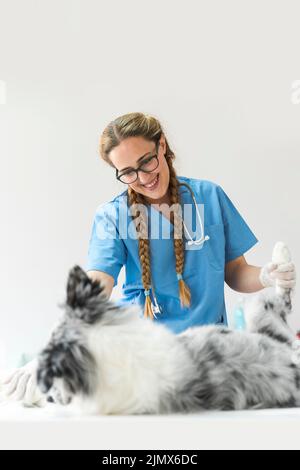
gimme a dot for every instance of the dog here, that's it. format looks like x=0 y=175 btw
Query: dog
x=108 y=359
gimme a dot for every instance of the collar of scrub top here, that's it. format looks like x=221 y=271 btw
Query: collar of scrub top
x=200 y=241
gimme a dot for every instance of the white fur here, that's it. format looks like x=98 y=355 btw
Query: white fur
x=141 y=359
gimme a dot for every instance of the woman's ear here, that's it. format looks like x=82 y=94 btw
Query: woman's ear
x=163 y=144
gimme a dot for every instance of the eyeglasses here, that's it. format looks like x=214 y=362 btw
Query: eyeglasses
x=148 y=165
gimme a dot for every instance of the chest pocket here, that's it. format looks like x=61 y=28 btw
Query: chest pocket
x=215 y=246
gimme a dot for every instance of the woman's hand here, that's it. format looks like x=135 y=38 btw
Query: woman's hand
x=21 y=385
x=283 y=275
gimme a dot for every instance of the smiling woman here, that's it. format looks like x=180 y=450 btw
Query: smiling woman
x=151 y=181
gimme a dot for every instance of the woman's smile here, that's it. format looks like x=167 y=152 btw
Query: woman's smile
x=153 y=184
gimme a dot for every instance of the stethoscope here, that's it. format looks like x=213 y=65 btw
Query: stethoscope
x=203 y=237
x=156 y=309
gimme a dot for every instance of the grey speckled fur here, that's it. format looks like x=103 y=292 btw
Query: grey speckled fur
x=108 y=359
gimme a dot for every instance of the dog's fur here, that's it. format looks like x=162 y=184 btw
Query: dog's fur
x=108 y=359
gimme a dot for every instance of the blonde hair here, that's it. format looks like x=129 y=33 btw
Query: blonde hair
x=148 y=127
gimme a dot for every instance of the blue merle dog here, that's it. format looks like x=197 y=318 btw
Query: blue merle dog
x=108 y=359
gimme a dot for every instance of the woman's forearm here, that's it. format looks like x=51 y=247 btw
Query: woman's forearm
x=245 y=278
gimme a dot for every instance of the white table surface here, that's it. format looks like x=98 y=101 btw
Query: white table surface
x=55 y=427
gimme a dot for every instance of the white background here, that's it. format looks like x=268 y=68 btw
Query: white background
x=219 y=77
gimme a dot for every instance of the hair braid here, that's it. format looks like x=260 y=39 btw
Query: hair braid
x=137 y=213
x=176 y=217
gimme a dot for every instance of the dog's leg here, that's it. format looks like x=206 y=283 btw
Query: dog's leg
x=268 y=314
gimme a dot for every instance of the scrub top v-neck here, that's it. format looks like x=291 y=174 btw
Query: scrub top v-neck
x=113 y=244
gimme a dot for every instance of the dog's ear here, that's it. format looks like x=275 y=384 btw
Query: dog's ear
x=80 y=288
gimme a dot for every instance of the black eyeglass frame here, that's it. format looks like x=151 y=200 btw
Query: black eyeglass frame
x=136 y=170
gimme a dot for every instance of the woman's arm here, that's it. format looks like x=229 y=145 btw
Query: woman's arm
x=242 y=277
x=106 y=279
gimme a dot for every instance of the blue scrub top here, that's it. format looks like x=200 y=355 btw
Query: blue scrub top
x=113 y=244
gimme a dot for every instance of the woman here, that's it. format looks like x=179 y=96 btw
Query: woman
x=188 y=278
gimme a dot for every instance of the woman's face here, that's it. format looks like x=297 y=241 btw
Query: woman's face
x=127 y=154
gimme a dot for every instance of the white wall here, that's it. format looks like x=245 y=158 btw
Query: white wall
x=217 y=74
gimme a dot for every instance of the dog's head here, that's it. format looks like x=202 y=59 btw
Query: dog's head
x=66 y=366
